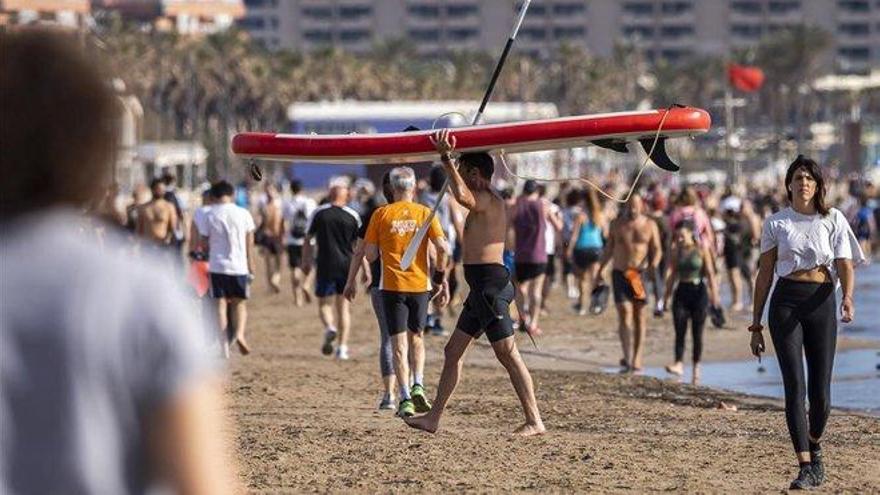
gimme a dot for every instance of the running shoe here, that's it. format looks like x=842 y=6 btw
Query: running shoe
x=418 y=397
x=805 y=480
x=818 y=466
x=387 y=403
x=342 y=353
x=329 y=337
x=406 y=408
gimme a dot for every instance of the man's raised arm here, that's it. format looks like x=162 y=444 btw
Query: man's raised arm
x=445 y=144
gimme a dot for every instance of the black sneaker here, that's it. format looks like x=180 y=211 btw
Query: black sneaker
x=805 y=480
x=817 y=466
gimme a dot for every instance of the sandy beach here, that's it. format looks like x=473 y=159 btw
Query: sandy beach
x=307 y=423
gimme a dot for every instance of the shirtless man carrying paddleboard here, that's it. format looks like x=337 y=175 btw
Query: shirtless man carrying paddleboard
x=487 y=306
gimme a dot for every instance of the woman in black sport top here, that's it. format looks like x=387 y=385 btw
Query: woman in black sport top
x=690 y=265
x=809 y=246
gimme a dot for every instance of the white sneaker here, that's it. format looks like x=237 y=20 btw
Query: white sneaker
x=342 y=353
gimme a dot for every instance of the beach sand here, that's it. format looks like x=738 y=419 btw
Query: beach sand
x=305 y=422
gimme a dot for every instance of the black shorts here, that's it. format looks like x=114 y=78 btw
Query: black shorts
x=326 y=287
x=294 y=256
x=487 y=307
x=623 y=289
x=550 y=270
x=229 y=286
x=733 y=256
x=584 y=257
x=528 y=271
x=405 y=310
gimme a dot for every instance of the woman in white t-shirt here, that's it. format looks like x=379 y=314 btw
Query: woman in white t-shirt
x=810 y=247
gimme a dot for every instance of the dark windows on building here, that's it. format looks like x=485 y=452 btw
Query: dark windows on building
x=746 y=30
x=252 y=23
x=424 y=11
x=744 y=7
x=354 y=35
x=317 y=12
x=569 y=32
x=638 y=8
x=780 y=7
x=569 y=9
x=860 y=6
x=676 y=31
x=355 y=11
x=644 y=32
x=676 y=8
x=463 y=10
x=534 y=33
x=855 y=52
x=318 y=36
x=854 y=28
x=462 y=34
x=424 y=34
x=260 y=3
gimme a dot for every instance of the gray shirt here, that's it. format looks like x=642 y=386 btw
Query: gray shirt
x=93 y=344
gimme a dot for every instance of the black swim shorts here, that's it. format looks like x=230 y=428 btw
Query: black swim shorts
x=229 y=286
x=584 y=257
x=294 y=256
x=487 y=307
x=529 y=271
x=405 y=310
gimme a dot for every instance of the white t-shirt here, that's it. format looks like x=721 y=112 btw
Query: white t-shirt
x=226 y=226
x=200 y=215
x=297 y=213
x=804 y=242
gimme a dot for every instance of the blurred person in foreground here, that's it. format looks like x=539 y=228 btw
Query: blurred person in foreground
x=105 y=385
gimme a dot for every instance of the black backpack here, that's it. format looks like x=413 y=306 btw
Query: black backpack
x=300 y=222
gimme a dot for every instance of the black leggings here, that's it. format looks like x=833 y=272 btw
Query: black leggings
x=803 y=322
x=690 y=302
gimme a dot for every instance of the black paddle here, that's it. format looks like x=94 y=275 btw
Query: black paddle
x=410 y=254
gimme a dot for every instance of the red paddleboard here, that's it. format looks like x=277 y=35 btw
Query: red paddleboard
x=609 y=130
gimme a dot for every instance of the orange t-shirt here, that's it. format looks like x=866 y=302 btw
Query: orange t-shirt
x=391 y=228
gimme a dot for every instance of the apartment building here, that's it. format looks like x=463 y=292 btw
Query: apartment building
x=184 y=16
x=664 y=29
x=70 y=13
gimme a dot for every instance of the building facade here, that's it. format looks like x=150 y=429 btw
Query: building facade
x=184 y=16
x=667 y=29
x=70 y=13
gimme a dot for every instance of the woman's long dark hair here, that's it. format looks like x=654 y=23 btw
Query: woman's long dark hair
x=815 y=170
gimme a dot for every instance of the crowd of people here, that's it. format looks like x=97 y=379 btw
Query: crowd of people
x=157 y=383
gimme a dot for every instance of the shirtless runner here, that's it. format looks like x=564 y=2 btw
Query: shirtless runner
x=634 y=245
x=487 y=305
x=157 y=219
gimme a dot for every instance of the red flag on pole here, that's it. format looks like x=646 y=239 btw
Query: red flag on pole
x=745 y=77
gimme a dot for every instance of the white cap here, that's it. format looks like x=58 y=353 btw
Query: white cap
x=731 y=203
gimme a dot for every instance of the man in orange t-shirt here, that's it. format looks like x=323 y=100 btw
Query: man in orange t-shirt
x=406 y=293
